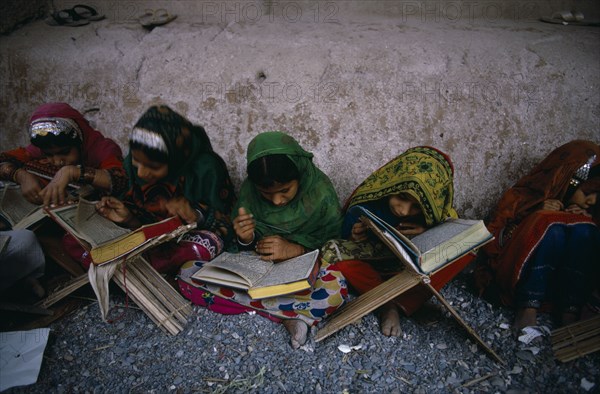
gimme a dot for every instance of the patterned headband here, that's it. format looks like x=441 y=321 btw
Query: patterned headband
x=56 y=126
x=149 y=138
x=582 y=173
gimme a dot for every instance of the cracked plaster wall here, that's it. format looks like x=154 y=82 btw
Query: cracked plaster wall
x=355 y=82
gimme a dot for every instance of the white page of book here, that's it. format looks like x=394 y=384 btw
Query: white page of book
x=210 y=274
x=14 y=206
x=30 y=219
x=86 y=224
x=247 y=265
x=441 y=233
x=402 y=250
x=291 y=270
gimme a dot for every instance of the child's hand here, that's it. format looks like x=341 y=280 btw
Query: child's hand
x=359 y=232
x=277 y=248
x=244 y=226
x=552 y=205
x=410 y=229
x=180 y=206
x=114 y=210
x=30 y=186
x=577 y=210
x=56 y=191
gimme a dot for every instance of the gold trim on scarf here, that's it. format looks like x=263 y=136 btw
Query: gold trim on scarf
x=57 y=126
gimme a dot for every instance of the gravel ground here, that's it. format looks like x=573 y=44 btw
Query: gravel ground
x=248 y=353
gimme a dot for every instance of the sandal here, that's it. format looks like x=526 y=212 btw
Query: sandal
x=66 y=18
x=156 y=18
x=570 y=18
x=87 y=12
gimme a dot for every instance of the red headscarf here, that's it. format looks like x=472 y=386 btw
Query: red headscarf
x=548 y=180
x=97 y=151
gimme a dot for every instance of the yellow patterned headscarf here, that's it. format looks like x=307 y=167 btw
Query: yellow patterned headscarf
x=423 y=172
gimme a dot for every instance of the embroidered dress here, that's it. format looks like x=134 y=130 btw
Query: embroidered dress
x=96 y=151
x=196 y=172
x=542 y=256
x=312 y=217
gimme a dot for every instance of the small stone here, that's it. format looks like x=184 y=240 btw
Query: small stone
x=497 y=381
x=586 y=384
x=525 y=355
x=517 y=369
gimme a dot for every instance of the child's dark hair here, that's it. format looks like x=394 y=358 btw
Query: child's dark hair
x=51 y=141
x=152 y=154
x=268 y=170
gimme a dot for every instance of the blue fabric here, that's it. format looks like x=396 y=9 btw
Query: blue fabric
x=563 y=267
x=381 y=208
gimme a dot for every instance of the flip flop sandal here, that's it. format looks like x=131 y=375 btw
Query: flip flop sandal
x=87 y=12
x=162 y=17
x=146 y=19
x=575 y=18
x=156 y=18
x=65 y=18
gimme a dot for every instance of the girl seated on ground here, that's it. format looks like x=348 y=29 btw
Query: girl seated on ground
x=287 y=207
x=412 y=192
x=66 y=147
x=174 y=171
x=547 y=243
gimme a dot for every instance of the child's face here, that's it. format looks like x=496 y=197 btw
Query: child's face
x=583 y=200
x=62 y=155
x=280 y=194
x=404 y=205
x=147 y=170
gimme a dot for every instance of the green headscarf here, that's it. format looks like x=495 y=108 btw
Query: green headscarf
x=313 y=216
x=423 y=172
x=194 y=168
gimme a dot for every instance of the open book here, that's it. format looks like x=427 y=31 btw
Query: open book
x=20 y=213
x=107 y=241
x=431 y=255
x=13 y=206
x=436 y=247
x=261 y=279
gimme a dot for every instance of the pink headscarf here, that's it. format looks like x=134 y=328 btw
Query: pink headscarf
x=97 y=151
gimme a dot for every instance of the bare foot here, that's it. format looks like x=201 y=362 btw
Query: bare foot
x=298 y=332
x=389 y=320
x=525 y=317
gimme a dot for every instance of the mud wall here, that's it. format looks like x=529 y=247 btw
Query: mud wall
x=355 y=82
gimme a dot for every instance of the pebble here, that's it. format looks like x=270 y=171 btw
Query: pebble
x=260 y=359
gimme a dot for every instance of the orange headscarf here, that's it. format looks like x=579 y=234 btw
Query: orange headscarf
x=548 y=180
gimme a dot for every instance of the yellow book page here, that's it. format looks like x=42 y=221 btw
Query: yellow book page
x=117 y=248
x=271 y=291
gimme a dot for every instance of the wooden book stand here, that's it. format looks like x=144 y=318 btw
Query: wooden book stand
x=396 y=286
